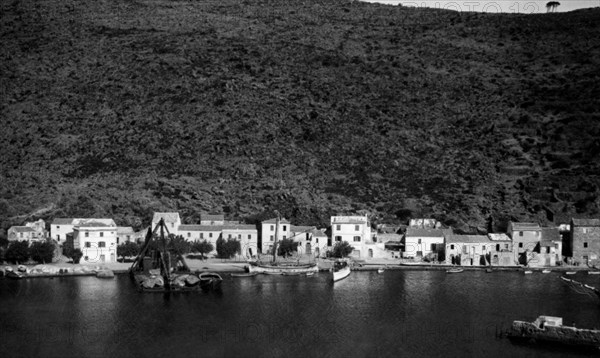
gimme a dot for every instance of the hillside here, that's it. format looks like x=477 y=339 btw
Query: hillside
x=119 y=108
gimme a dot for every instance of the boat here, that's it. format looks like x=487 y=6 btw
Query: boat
x=310 y=274
x=455 y=270
x=245 y=274
x=162 y=270
x=549 y=329
x=488 y=270
x=341 y=270
x=14 y=275
x=581 y=287
x=546 y=271
x=570 y=272
x=279 y=268
x=593 y=272
x=380 y=270
x=105 y=274
x=210 y=280
x=527 y=272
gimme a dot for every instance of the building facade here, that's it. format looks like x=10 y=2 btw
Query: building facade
x=584 y=243
x=419 y=242
x=468 y=250
x=97 y=239
x=267 y=233
x=526 y=238
x=355 y=230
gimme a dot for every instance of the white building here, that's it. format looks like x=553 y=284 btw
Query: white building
x=268 y=233
x=31 y=231
x=124 y=234
x=60 y=227
x=212 y=219
x=172 y=221
x=419 y=242
x=355 y=230
x=97 y=239
x=247 y=236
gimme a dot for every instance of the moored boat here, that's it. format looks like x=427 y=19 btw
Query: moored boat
x=551 y=329
x=527 y=272
x=210 y=280
x=455 y=270
x=245 y=274
x=546 y=271
x=570 y=272
x=593 y=272
x=14 y=275
x=341 y=270
x=380 y=270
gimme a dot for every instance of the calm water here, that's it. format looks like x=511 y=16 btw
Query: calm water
x=394 y=314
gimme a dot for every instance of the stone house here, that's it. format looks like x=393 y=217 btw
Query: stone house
x=526 y=238
x=31 y=231
x=267 y=233
x=501 y=250
x=584 y=241
x=124 y=234
x=468 y=250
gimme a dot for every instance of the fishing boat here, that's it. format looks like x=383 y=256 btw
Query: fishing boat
x=163 y=270
x=310 y=274
x=527 y=272
x=245 y=274
x=593 y=272
x=380 y=270
x=210 y=280
x=570 y=272
x=489 y=270
x=546 y=271
x=549 y=329
x=341 y=270
x=455 y=270
x=14 y=275
x=279 y=268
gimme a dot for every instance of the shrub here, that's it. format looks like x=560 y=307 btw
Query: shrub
x=341 y=249
x=77 y=254
x=203 y=247
x=17 y=251
x=42 y=252
x=228 y=249
x=287 y=247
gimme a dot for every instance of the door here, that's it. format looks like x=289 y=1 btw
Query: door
x=308 y=248
x=370 y=252
x=112 y=257
x=102 y=258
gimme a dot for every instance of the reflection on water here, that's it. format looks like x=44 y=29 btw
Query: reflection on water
x=406 y=313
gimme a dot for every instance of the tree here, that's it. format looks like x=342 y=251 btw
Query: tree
x=551 y=6
x=342 y=249
x=203 y=247
x=17 y=251
x=77 y=255
x=228 y=249
x=42 y=251
x=287 y=247
x=178 y=244
x=68 y=248
x=128 y=248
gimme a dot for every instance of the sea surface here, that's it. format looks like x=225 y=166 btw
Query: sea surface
x=398 y=313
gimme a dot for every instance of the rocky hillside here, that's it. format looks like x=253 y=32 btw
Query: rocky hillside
x=118 y=108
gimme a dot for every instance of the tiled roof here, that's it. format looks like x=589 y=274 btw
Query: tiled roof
x=550 y=234
x=474 y=239
x=318 y=233
x=62 y=221
x=200 y=227
x=212 y=217
x=94 y=224
x=415 y=231
x=168 y=217
x=274 y=221
x=388 y=237
x=423 y=223
x=586 y=222
x=124 y=230
x=239 y=227
x=499 y=237
x=21 y=229
x=298 y=229
x=525 y=226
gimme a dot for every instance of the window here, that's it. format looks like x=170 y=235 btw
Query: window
x=210 y=234
x=520 y=244
x=87 y=244
x=101 y=234
x=272 y=237
x=229 y=236
x=497 y=247
x=172 y=224
x=58 y=228
x=101 y=244
x=284 y=237
x=316 y=241
x=189 y=234
x=357 y=239
x=585 y=244
x=338 y=227
x=249 y=237
x=419 y=242
x=21 y=234
x=584 y=230
x=284 y=228
x=483 y=247
x=452 y=247
x=239 y=236
x=506 y=246
x=57 y=237
x=128 y=237
x=356 y=227
x=87 y=234
x=85 y=258
x=202 y=235
x=272 y=228
x=520 y=233
x=338 y=238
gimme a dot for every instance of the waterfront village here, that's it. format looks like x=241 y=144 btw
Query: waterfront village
x=420 y=241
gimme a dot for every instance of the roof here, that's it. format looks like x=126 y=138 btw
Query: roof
x=124 y=230
x=168 y=217
x=212 y=217
x=21 y=229
x=239 y=227
x=550 y=234
x=274 y=221
x=349 y=219
x=586 y=222
x=525 y=226
x=299 y=229
x=499 y=237
x=415 y=231
x=318 y=233
x=200 y=227
x=423 y=223
x=474 y=239
x=94 y=224
x=389 y=237
x=62 y=221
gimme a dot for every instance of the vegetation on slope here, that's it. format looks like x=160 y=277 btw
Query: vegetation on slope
x=119 y=108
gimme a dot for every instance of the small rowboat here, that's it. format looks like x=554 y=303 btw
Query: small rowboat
x=455 y=270
x=527 y=272
x=546 y=271
x=570 y=272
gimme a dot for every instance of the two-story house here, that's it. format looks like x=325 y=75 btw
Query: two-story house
x=584 y=241
x=267 y=233
x=468 y=250
x=356 y=230
x=526 y=239
x=420 y=242
x=97 y=239
x=31 y=231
